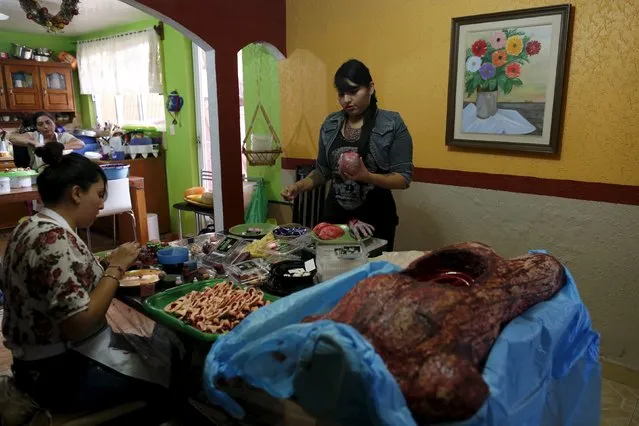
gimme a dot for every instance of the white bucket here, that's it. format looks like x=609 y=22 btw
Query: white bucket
x=152 y=224
x=5 y=185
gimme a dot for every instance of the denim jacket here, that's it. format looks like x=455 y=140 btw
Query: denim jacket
x=391 y=145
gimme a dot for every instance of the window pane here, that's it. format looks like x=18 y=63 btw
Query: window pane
x=105 y=109
x=130 y=113
x=154 y=110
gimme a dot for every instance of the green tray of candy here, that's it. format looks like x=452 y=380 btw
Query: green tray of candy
x=154 y=307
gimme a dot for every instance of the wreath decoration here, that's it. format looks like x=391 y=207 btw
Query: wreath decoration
x=53 y=23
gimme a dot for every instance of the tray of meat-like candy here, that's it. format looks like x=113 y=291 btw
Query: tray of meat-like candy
x=205 y=310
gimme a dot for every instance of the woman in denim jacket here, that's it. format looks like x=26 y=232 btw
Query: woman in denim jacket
x=364 y=199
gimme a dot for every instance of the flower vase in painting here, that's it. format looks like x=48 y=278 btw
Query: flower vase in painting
x=496 y=89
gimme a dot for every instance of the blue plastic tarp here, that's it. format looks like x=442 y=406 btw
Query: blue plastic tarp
x=542 y=370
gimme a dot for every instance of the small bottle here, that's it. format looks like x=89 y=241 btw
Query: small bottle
x=178 y=280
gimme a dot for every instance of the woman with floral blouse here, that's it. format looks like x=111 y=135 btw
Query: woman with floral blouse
x=56 y=296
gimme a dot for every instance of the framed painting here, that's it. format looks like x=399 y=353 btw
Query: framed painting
x=506 y=82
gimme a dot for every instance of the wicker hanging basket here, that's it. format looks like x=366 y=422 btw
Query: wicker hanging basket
x=265 y=152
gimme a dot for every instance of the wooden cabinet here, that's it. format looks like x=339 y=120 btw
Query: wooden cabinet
x=31 y=86
x=57 y=88
x=3 y=93
x=23 y=87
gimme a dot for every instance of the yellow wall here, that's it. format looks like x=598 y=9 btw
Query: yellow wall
x=406 y=45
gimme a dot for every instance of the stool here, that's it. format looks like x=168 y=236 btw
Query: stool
x=198 y=211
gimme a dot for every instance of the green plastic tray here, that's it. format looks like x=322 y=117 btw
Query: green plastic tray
x=154 y=307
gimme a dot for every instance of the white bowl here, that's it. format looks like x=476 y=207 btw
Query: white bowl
x=93 y=155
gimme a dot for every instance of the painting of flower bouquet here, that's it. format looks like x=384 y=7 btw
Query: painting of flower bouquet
x=506 y=79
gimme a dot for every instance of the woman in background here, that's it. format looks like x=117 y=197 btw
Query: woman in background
x=364 y=199
x=45 y=133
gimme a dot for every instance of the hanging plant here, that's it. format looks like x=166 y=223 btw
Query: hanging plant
x=53 y=23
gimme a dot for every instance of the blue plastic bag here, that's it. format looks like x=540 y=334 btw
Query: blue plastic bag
x=542 y=370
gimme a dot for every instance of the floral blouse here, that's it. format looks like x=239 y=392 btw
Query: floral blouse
x=47 y=275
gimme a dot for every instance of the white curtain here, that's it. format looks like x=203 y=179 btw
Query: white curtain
x=127 y=64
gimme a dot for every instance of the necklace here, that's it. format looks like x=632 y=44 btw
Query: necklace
x=351 y=134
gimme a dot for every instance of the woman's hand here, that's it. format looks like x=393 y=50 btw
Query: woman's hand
x=361 y=229
x=124 y=256
x=290 y=192
x=362 y=175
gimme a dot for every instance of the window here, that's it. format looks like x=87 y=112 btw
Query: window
x=140 y=110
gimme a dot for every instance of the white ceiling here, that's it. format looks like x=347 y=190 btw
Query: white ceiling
x=94 y=15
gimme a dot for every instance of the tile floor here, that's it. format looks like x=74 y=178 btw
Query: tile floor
x=619 y=404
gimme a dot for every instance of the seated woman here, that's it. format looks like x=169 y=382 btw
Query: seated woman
x=56 y=296
x=45 y=125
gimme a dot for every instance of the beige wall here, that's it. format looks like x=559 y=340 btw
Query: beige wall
x=599 y=242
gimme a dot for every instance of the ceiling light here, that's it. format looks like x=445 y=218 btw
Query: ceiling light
x=3 y=17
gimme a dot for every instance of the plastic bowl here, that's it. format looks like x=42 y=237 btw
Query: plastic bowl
x=116 y=171
x=173 y=255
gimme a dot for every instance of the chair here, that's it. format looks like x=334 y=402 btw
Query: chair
x=308 y=206
x=200 y=212
x=118 y=201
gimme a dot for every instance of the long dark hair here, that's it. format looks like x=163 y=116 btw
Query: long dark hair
x=64 y=172
x=354 y=71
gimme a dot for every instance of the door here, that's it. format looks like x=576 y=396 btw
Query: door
x=23 y=88
x=57 y=84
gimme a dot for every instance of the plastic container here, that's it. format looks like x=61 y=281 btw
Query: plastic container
x=152 y=225
x=251 y=272
x=173 y=255
x=118 y=148
x=333 y=260
x=5 y=185
x=20 y=182
x=116 y=171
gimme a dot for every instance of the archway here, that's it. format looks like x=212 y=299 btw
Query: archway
x=222 y=28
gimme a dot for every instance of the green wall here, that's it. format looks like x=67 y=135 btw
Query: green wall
x=53 y=42
x=181 y=148
x=257 y=61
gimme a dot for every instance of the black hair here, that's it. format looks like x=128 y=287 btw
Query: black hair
x=64 y=172
x=356 y=72
x=39 y=114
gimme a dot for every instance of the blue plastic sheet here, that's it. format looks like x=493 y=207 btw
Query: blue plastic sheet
x=542 y=370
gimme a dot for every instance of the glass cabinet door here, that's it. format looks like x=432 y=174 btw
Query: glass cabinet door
x=22 y=79
x=55 y=80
